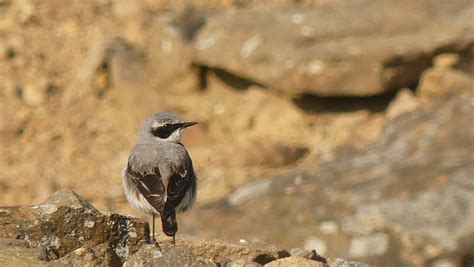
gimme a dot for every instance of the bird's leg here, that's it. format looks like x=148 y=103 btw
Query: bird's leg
x=153 y=230
x=153 y=239
x=174 y=241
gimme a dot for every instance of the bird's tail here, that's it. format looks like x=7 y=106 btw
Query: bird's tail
x=168 y=223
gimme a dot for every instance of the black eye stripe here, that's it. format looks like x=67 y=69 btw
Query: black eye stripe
x=162 y=132
x=165 y=131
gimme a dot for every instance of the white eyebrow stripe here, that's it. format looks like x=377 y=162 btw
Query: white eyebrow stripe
x=155 y=124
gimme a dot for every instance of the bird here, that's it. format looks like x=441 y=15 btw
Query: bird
x=159 y=178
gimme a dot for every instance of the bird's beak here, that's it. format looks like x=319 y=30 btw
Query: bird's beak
x=188 y=124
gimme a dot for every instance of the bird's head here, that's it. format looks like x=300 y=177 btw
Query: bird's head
x=163 y=126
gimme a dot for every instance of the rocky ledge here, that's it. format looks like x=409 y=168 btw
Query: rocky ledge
x=66 y=230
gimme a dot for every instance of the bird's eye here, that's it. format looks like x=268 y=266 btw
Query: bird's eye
x=163 y=131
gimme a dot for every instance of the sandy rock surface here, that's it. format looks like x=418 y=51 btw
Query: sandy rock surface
x=406 y=199
x=67 y=230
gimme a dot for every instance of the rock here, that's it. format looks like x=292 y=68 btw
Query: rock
x=328 y=227
x=68 y=198
x=243 y=263
x=18 y=116
x=169 y=53
x=308 y=254
x=24 y=11
x=93 y=64
x=125 y=10
x=15 y=252
x=189 y=21
x=266 y=153
x=369 y=245
x=66 y=230
x=444 y=263
x=404 y=102
x=125 y=69
x=133 y=16
x=295 y=261
x=446 y=60
x=315 y=244
x=149 y=255
x=308 y=50
x=99 y=255
x=249 y=191
x=109 y=62
x=266 y=117
x=438 y=82
x=408 y=194
x=36 y=94
x=195 y=251
x=443 y=216
x=221 y=251
x=132 y=72
x=128 y=66
x=344 y=263
x=66 y=222
x=299 y=261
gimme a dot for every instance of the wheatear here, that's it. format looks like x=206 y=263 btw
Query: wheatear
x=159 y=178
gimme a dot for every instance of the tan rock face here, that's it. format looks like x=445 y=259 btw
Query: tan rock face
x=67 y=230
x=295 y=261
x=379 y=205
x=309 y=50
x=149 y=255
x=17 y=252
x=67 y=222
x=221 y=251
x=404 y=102
x=437 y=83
x=446 y=60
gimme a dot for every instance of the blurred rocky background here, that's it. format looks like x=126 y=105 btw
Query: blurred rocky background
x=341 y=126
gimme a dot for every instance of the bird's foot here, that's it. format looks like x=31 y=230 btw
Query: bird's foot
x=173 y=243
x=155 y=242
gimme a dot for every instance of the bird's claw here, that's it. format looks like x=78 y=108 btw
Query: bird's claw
x=155 y=242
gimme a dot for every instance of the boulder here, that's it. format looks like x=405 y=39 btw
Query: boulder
x=406 y=200
x=66 y=230
x=405 y=101
x=98 y=255
x=304 y=262
x=221 y=251
x=343 y=263
x=441 y=82
x=295 y=261
x=66 y=222
x=316 y=51
x=15 y=252
x=149 y=255
x=205 y=252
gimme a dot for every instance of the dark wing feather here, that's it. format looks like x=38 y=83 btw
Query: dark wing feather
x=150 y=186
x=178 y=184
